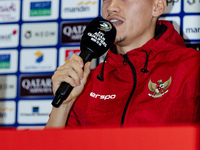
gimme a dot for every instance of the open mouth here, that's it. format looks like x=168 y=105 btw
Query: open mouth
x=115 y=22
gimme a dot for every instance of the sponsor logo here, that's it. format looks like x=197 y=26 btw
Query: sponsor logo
x=38 y=60
x=39 y=34
x=105 y=26
x=3 y=111
x=159 y=89
x=4 y=61
x=80 y=9
x=9 y=35
x=104 y=97
x=34 y=111
x=8 y=86
x=8 y=8
x=190 y=2
x=40 y=8
x=66 y=52
x=191 y=31
x=8 y=61
x=28 y=34
x=7 y=112
x=72 y=32
x=172 y=2
x=173 y=6
x=192 y=6
x=34 y=86
x=9 y=11
x=69 y=53
x=39 y=56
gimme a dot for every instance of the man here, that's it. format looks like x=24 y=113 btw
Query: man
x=149 y=77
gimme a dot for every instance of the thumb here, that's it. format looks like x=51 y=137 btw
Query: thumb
x=87 y=69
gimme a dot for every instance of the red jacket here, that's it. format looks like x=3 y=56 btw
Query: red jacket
x=156 y=84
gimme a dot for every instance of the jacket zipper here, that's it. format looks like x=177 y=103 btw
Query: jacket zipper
x=126 y=60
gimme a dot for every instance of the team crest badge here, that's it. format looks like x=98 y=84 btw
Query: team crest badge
x=160 y=88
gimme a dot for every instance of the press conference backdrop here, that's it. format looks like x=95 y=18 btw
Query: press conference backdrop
x=37 y=36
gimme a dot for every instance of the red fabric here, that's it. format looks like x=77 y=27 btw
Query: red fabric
x=103 y=103
x=151 y=138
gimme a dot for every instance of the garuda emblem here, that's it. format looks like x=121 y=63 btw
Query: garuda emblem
x=160 y=88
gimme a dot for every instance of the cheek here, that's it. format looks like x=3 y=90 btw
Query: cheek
x=103 y=12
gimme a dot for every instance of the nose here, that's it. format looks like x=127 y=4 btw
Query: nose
x=114 y=6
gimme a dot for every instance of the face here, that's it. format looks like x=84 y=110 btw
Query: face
x=132 y=19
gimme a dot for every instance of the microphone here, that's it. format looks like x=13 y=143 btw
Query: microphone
x=97 y=38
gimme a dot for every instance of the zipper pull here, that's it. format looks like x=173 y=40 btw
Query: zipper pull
x=125 y=59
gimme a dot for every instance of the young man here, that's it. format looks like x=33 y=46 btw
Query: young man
x=149 y=77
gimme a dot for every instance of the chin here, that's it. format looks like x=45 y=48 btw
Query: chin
x=119 y=40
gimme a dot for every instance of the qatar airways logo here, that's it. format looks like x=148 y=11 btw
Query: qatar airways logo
x=104 y=97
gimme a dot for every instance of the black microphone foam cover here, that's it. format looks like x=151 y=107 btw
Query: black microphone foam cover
x=98 y=37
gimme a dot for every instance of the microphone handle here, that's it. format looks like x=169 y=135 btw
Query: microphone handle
x=65 y=88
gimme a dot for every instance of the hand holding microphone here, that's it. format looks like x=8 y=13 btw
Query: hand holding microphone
x=96 y=40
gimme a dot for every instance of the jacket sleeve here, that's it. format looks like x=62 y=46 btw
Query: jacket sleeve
x=197 y=101
x=191 y=84
x=193 y=87
x=72 y=120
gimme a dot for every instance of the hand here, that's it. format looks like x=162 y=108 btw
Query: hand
x=72 y=73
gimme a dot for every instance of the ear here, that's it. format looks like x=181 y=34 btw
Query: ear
x=159 y=7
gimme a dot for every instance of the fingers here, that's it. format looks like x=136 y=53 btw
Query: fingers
x=71 y=72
